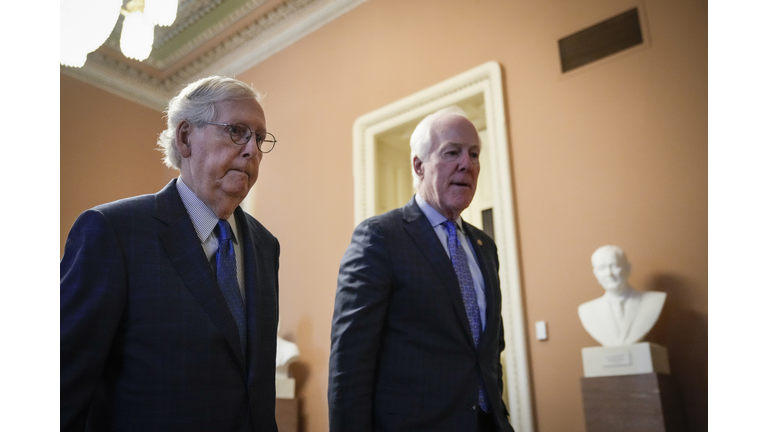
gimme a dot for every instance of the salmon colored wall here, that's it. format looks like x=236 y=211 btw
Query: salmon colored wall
x=107 y=150
x=612 y=153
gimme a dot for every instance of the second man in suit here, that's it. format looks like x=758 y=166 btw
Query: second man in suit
x=417 y=331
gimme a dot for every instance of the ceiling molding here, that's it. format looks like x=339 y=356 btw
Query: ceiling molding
x=317 y=14
x=251 y=44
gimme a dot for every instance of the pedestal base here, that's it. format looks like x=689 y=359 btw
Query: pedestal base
x=287 y=415
x=285 y=388
x=632 y=403
x=639 y=358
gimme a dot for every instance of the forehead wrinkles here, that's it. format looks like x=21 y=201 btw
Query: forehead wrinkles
x=454 y=141
x=254 y=118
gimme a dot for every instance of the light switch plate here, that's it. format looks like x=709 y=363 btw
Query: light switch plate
x=541 y=330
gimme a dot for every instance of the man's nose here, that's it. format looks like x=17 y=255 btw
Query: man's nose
x=465 y=160
x=250 y=149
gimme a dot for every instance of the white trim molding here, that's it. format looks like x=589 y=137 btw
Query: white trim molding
x=482 y=80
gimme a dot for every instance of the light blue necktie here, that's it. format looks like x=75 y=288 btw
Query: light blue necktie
x=226 y=276
x=468 y=294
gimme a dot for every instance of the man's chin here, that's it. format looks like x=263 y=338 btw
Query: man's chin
x=237 y=191
x=461 y=204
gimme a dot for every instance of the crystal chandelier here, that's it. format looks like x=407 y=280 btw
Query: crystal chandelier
x=86 y=24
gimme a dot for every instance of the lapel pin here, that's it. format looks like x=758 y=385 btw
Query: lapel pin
x=479 y=242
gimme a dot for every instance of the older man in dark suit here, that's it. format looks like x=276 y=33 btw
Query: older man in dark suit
x=169 y=302
x=417 y=329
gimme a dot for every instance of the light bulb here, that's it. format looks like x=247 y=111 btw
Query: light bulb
x=85 y=25
x=137 y=36
x=161 y=12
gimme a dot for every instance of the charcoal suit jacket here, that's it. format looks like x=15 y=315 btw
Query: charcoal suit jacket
x=402 y=354
x=147 y=340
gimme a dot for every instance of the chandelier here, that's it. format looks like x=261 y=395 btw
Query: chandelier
x=86 y=24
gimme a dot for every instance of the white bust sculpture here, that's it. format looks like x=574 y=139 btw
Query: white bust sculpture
x=622 y=316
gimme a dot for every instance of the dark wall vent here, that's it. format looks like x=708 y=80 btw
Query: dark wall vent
x=601 y=40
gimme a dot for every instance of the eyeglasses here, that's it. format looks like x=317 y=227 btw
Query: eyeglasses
x=241 y=134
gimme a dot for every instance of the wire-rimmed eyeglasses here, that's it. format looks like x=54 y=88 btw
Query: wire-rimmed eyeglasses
x=241 y=134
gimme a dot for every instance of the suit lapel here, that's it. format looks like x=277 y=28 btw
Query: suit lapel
x=420 y=230
x=252 y=256
x=631 y=307
x=606 y=315
x=185 y=252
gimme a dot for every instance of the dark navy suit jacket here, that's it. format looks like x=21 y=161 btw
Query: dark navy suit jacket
x=402 y=355
x=147 y=339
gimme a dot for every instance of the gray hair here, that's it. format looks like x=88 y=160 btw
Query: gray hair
x=196 y=104
x=421 y=138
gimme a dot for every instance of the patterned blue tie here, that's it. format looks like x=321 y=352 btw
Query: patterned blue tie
x=468 y=294
x=226 y=276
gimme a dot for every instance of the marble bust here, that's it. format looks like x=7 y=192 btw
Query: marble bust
x=622 y=316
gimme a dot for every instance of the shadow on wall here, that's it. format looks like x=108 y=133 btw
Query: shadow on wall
x=684 y=332
x=301 y=370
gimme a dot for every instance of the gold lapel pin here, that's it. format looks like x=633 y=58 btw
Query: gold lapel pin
x=480 y=242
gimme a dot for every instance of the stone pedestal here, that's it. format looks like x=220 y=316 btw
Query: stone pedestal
x=287 y=415
x=632 y=403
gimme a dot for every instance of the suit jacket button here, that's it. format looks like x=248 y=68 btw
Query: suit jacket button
x=473 y=407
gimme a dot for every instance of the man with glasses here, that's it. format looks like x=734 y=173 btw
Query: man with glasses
x=169 y=302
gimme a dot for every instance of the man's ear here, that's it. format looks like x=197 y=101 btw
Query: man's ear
x=418 y=167
x=183 y=132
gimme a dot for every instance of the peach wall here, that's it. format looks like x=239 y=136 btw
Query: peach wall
x=615 y=152
x=107 y=150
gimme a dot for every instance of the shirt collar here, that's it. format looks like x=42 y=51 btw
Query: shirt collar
x=433 y=216
x=203 y=218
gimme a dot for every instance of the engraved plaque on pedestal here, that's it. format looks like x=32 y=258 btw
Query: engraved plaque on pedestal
x=639 y=358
